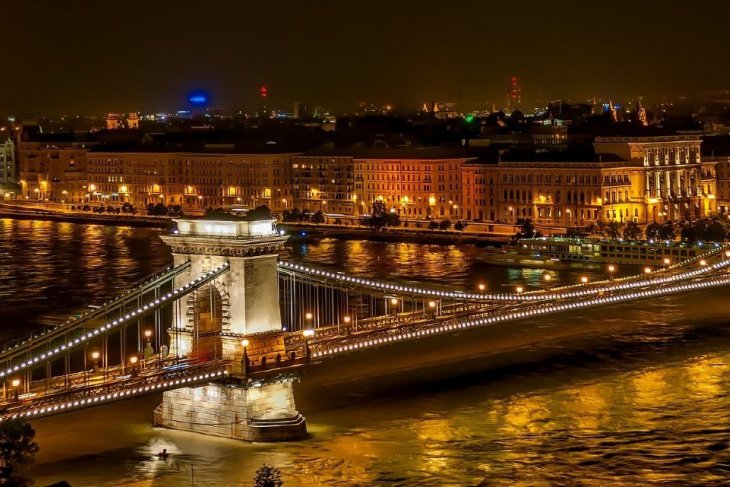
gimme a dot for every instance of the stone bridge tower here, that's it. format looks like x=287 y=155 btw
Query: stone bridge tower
x=213 y=322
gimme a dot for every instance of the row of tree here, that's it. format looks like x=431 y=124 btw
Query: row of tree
x=160 y=209
x=303 y=216
x=126 y=208
x=702 y=230
x=378 y=219
x=706 y=229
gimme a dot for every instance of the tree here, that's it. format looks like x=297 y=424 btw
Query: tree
x=378 y=216
x=217 y=213
x=460 y=226
x=633 y=231
x=259 y=213
x=445 y=224
x=17 y=450
x=433 y=225
x=526 y=228
x=160 y=209
x=715 y=232
x=653 y=230
x=392 y=219
x=127 y=208
x=175 y=210
x=667 y=231
x=318 y=217
x=268 y=477
x=613 y=229
x=292 y=216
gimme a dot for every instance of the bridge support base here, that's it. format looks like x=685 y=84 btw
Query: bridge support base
x=265 y=413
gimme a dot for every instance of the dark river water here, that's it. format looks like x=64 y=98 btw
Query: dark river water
x=639 y=401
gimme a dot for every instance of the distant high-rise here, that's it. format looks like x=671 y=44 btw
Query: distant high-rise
x=514 y=95
x=302 y=111
x=264 y=93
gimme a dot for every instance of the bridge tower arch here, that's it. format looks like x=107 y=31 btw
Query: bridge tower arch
x=212 y=323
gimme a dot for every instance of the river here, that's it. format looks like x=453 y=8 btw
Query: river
x=649 y=404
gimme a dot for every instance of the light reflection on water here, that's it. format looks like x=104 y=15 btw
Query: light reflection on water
x=632 y=408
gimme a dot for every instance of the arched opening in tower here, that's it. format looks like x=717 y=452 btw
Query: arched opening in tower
x=208 y=323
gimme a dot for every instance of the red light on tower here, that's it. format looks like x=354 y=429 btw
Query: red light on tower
x=513 y=94
x=264 y=92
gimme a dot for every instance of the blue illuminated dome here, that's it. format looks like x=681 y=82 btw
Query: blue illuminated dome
x=198 y=98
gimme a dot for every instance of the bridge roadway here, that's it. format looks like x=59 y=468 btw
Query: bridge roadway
x=48 y=397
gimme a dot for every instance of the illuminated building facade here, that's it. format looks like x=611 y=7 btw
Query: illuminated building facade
x=676 y=183
x=53 y=171
x=416 y=184
x=191 y=180
x=641 y=179
x=324 y=183
x=553 y=193
x=723 y=183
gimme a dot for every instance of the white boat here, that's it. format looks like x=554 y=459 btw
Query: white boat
x=566 y=252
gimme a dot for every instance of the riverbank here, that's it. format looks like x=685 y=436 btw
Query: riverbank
x=307 y=231
x=38 y=213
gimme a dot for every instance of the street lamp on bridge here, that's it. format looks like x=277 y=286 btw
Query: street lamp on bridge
x=148 y=350
x=307 y=334
x=346 y=319
x=133 y=363
x=95 y=357
x=16 y=384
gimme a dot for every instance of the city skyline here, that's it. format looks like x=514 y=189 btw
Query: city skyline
x=337 y=56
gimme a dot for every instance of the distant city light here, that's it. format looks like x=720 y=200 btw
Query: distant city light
x=198 y=98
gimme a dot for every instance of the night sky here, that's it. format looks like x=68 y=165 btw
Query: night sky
x=98 y=56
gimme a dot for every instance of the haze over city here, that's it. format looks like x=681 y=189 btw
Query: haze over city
x=85 y=57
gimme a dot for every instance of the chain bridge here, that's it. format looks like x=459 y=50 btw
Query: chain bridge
x=226 y=329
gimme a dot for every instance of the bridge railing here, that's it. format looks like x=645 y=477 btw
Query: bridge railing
x=40 y=351
x=447 y=324
x=122 y=388
x=143 y=286
x=347 y=280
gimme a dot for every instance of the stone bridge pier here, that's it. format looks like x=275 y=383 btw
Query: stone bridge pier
x=241 y=306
